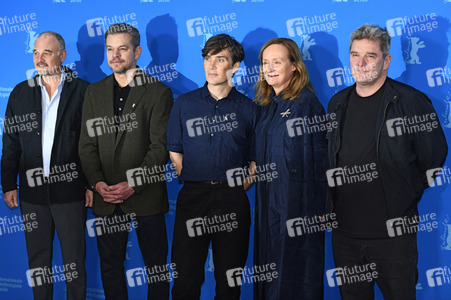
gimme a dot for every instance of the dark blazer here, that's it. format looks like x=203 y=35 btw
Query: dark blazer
x=22 y=144
x=107 y=156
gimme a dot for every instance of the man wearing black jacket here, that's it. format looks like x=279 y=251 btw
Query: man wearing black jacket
x=40 y=142
x=388 y=138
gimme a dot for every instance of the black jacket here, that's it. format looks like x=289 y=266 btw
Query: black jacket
x=22 y=144
x=403 y=158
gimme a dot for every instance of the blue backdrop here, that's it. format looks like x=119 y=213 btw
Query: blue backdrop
x=172 y=35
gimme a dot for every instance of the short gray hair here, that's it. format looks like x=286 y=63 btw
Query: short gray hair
x=374 y=33
x=59 y=38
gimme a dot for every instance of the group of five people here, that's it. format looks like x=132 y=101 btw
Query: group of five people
x=209 y=134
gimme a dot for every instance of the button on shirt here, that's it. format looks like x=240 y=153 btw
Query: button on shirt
x=214 y=136
x=49 y=115
x=120 y=96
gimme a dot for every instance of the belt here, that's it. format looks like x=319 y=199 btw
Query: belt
x=211 y=182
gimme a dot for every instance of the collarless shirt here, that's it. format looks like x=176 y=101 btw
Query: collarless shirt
x=49 y=117
x=120 y=97
x=360 y=207
x=213 y=136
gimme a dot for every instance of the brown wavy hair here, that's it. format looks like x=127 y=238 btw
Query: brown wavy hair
x=298 y=82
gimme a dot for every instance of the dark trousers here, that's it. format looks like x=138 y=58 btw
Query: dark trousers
x=69 y=219
x=219 y=206
x=112 y=245
x=395 y=260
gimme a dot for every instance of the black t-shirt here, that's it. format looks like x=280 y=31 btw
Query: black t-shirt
x=360 y=202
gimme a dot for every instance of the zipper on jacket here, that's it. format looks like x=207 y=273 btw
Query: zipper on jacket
x=378 y=160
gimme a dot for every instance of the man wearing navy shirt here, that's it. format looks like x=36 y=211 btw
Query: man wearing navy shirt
x=209 y=138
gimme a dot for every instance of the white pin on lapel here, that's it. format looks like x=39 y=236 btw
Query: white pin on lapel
x=133 y=105
x=286 y=113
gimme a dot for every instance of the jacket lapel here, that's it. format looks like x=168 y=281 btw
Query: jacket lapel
x=68 y=87
x=106 y=98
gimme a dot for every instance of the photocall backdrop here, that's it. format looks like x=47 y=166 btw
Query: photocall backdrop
x=173 y=33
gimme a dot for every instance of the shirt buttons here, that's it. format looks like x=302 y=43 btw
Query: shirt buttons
x=121 y=99
x=120 y=108
x=211 y=134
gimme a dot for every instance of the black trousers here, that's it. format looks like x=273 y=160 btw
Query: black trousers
x=69 y=219
x=207 y=213
x=112 y=245
x=395 y=260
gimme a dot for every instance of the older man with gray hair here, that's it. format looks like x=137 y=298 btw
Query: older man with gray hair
x=378 y=171
x=40 y=139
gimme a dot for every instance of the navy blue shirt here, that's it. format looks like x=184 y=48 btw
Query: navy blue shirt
x=214 y=136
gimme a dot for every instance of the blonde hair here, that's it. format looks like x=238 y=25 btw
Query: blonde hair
x=298 y=82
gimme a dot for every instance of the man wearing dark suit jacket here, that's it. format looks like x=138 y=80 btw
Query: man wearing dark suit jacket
x=41 y=131
x=125 y=117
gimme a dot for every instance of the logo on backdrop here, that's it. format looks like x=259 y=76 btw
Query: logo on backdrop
x=32 y=36
x=414 y=45
x=446 y=236
x=307 y=43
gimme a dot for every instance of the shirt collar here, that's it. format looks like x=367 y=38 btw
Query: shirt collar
x=275 y=98
x=205 y=93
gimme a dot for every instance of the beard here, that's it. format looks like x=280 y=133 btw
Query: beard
x=121 y=69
